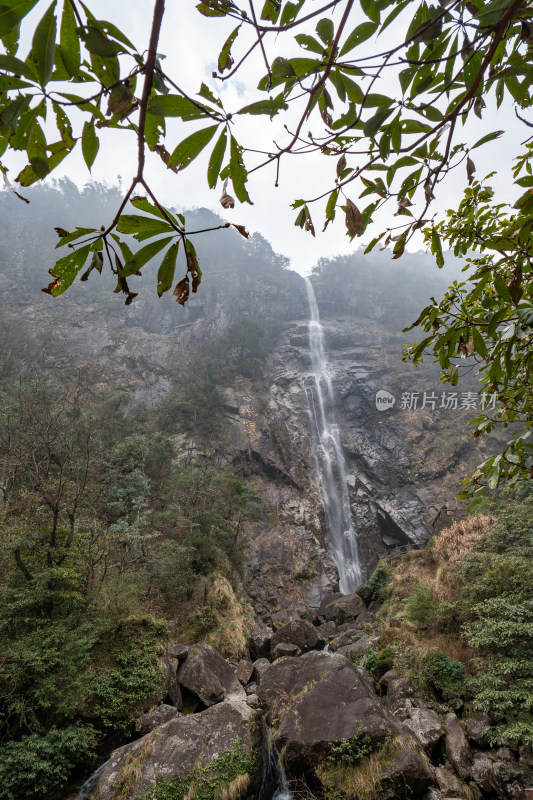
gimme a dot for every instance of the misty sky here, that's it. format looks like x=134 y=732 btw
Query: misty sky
x=191 y=44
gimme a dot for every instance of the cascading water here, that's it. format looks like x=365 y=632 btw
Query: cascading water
x=274 y=784
x=87 y=790
x=329 y=459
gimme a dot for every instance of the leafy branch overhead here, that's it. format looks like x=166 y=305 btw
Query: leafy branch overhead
x=389 y=118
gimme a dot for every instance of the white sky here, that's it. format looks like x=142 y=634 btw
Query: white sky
x=191 y=44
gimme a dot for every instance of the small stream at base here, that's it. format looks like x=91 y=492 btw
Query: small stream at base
x=87 y=789
x=274 y=785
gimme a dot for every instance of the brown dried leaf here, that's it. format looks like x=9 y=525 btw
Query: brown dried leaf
x=354 y=221
x=242 y=230
x=428 y=190
x=470 y=169
x=181 y=292
x=516 y=291
x=227 y=201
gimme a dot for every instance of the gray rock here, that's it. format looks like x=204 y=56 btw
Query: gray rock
x=260 y=666
x=207 y=675
x=244 y=671
x=348 y=637
x=483 y=773
x=341 y=608
x=177 y=746
x=253 y=701
x=426 y=726
x=301 y=633
x=172 y=684
x=152 y=719
x=179 y=651
x=365 y=619
x=407 y=776
x=398 y=691
x=448 y=782
x=285 y=649
x=320 y=698
x=328 y=630
x=251 y=688
x=477 y=728
x=358 y=648
x=385 y=679
x=433 y=794
x=374 y=606
x=259 y=640
x=346 y=626
x=504 y=754
x=457 y=747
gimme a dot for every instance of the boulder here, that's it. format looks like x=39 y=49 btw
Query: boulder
x=152 y=719
x=320 y=698
x=207 y=675
x=179 y=651
x=348 y=637
x=175 y=748
x=357 y=648
x=365 y=619
x=385 y=679
x=328 y=630
x=482 y=773
x=457 y=747
x=426 y=726
x=285 y=649
x=299 y=632
x=346 y=626
x=260 y=666
x=366 y=593
x=172 y=685
x=477 y=728
x=408 y=775
x=244 y=671
x=259 y=640
x=398 y=691
x=341 y=608
x=449 y=783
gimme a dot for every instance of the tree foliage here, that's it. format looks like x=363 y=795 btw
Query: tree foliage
x=390 y=117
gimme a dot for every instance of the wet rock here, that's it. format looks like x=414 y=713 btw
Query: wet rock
x=300 y=633
x=179 y=651
x=320 y=698
x=426 y=726
x=207 y=675
x=457 y=747
x=477 y=728
x=341 y=608
x=407 y=776
x=172 y=685
x=348 y=637
x=152 y=719
x=259 y=640
x=433 y=794
x=244 y=671
x=285 y=649
x=176 y=747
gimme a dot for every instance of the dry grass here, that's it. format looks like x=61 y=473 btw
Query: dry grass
x=234 y=790
x=132 y=770
x=461 y=538
x=234 y=620
x=360 y=782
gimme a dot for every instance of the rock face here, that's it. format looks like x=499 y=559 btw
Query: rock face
x=457 y=746
x=300 y=633
x=427 y=727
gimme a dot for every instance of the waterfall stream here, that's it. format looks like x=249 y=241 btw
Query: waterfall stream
x=274 y=785
x=87 y=790
x=329 y=459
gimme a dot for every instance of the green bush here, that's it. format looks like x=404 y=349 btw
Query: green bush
x=349 y=752
x=39 y=766
x=380 y=580
x=420 y=607
x=443 y=674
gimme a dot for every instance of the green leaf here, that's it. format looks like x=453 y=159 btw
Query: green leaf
x=360 y=34
x=373 y=125
x=89 y=144
x=501 y=288
x=309 y=43
x=191 y=147
x=225 y=60
x=271 y=11
x=43 y=45
x=165 y=274
x=174 y=105
x=142 y=256
x=272 y=106
x=11 y=13
x=479 y=343
x=215 y=162
x=66 y=269
x=371 y=9
x=69 y=41
x=325 y=30
x=17 y=67
x=489 y=137
x=238 y=173
x=143 y=204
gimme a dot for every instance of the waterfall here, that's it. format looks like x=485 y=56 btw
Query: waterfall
x=329 y=459
x=87 y=790
x=274 y=784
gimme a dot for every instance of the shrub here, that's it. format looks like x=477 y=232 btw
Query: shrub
x=443 y=674
x=420 y=607
x=380 y=579
x=349 y=752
